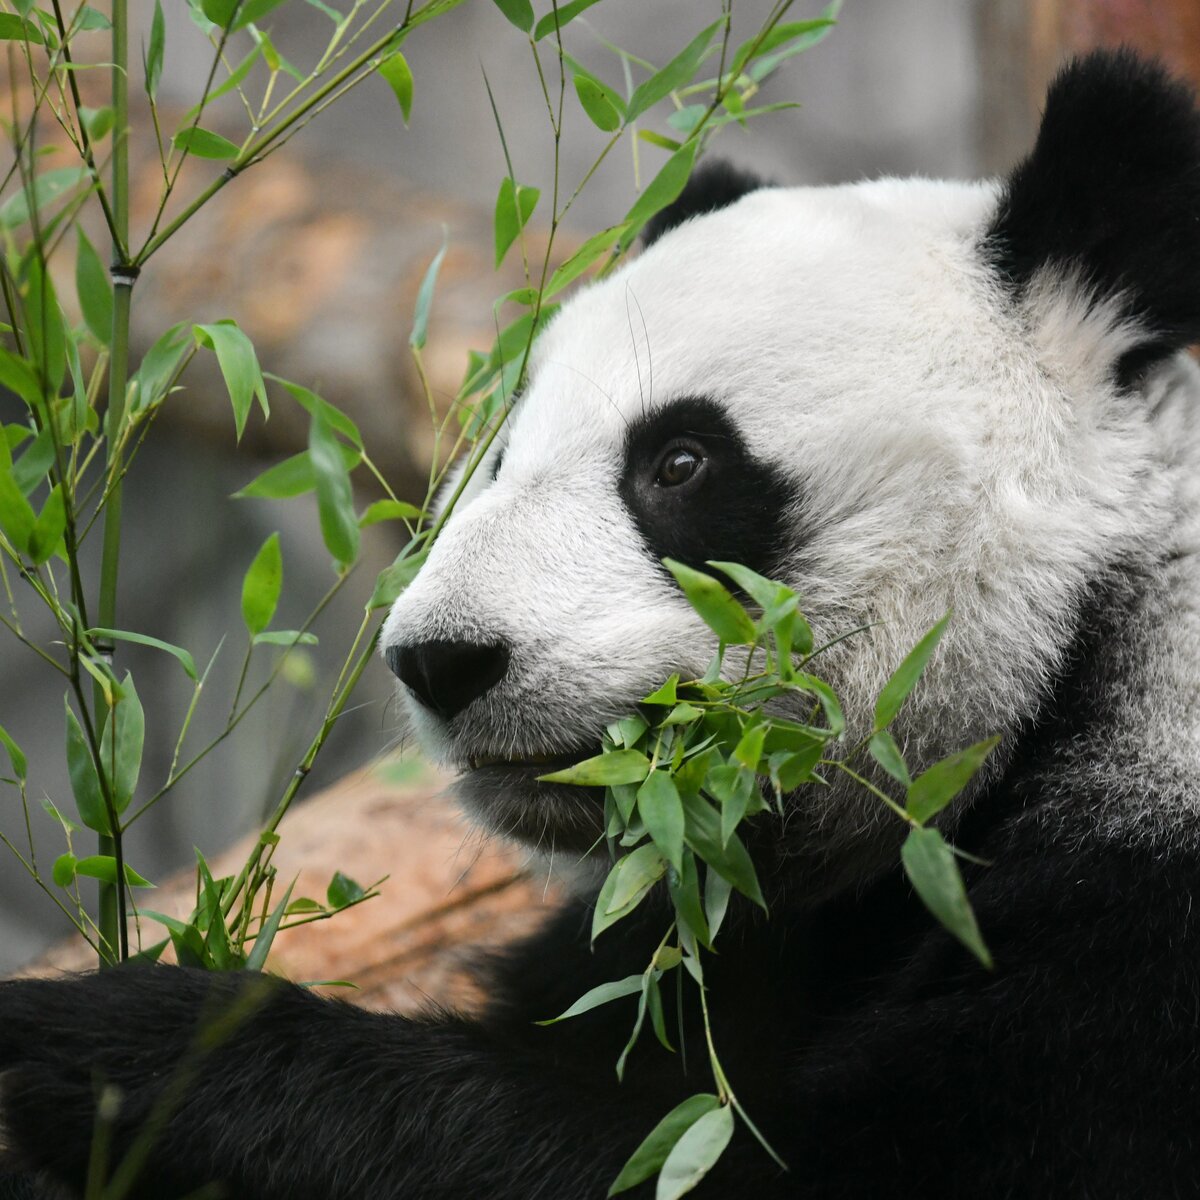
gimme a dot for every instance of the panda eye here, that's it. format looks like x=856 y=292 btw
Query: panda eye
x=679 y=465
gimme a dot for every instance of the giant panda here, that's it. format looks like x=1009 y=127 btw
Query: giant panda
x=902 y=397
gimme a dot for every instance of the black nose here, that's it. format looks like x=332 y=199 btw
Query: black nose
x=447 y=676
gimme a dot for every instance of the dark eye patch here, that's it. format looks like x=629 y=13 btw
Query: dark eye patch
x=736 y=509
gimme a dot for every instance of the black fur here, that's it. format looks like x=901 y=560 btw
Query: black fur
x=739 y=509
x=713 y=185
x=1112 y=190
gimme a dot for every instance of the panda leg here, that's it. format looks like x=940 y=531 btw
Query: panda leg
x=275 y=1094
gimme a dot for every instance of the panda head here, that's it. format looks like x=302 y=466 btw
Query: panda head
x=901 y=397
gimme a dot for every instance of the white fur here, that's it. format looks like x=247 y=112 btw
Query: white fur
x=953 y=451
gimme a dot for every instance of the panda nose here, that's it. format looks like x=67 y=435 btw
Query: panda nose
x=446 y=676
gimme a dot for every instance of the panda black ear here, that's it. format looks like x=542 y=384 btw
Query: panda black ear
x=713 y=185
x=1111 y=192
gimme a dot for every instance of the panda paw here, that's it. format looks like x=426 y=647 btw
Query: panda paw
x=94 y=1052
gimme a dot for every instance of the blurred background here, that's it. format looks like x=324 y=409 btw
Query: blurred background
x=318 y=254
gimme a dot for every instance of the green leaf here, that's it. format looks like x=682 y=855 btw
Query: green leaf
x=85 y=784
x=257 y=958
x=239 y=367
x=682 y=714
x=63 y=871
x=17 y=518
x=617 y=766
x=748 y=51
x=292 y=477
x=14 y=29
x=906 y=675
x=887 y=754
x=649 y=1157
x=695 y=1153
x=394 y=579
x=141 y=639
x=933 y=789
x=636 y=874
x=684 y=890
x=261 y=586
x=930 y=866
x=335 y=500
x=91 y=18
x=285 y=637
x=732 y=786
x=578 y=262
x=158 y=367
x=566 y=14
x=717 y=890
x=729 y=857
x=153 y=59
x=519 y=12
x=94 y=289
x=338 y=421
x=768 y=64
x=597 y=996
x=514 y=205
x=48 y=528
x=662 y=811
x=343 y=891
x=685 y=119
x=661 y=190
x=416 y=339
x=203 y=143
x=18 y=376
x=676 y=74
x=15 y=755
x=34 y=465
x=720 y=611
x=253 y=11
x=389 y=510
x=104 y=867
x=664 y=694
x=398 y=76
x=45 y=328
x=123 y=761
x=98 y=121
x=599 y=108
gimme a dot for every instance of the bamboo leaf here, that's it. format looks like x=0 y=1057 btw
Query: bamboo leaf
x=600 y=109
x=649 y=1157
x=335 y=501
x=676 y=74
x=48 y=529
x=519 y=12
x=661 y=190
x=15 y=755
x=416 y=339
x=617 y=766
x=695 y=1153
x=153 y=57
x=94 y=290
x=397 y=74
x=597 y=996
x=930 y=866
x=711 y=599
x=104 y=867
x=905 y=677
x=239 y=367
x=933 y=789
x=514 y=205
x=141 y=639
x=565 y=15
x=262 y=585
x=257 y=958
x=85 y=784
x=123 y=760
x=203 y=143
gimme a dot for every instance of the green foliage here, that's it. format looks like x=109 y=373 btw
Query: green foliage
x=690 y=776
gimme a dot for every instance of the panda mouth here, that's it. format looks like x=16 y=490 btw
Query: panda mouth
x=527 y=761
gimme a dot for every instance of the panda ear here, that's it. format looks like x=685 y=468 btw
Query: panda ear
x=1111 y=196
x=712 y=185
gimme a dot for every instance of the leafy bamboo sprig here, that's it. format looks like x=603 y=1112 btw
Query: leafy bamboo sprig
x=685 y=778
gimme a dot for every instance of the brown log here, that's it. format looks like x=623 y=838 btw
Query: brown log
x=450 y=894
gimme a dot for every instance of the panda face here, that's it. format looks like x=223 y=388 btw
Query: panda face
x=850 y=389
